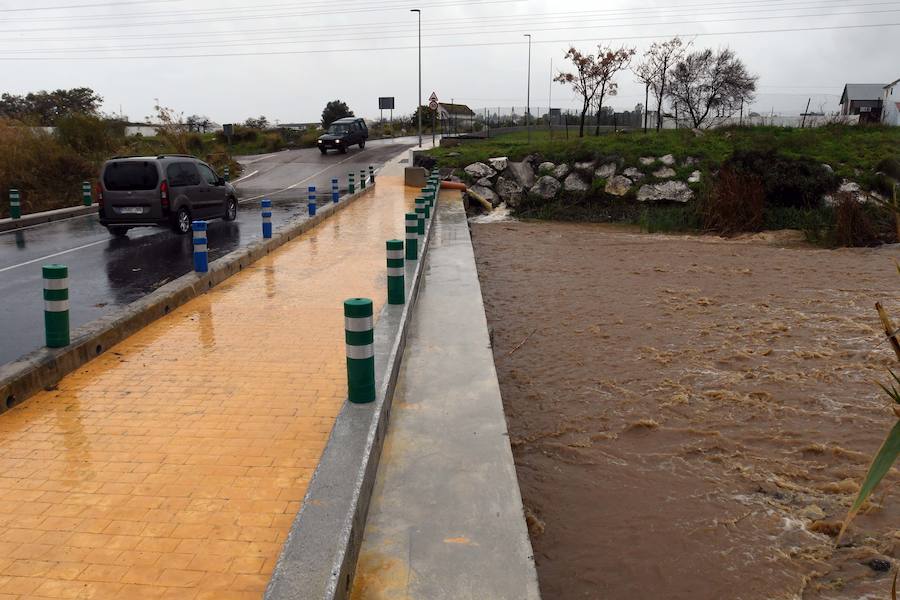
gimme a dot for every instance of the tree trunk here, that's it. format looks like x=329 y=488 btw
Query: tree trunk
x=583 y=116
x=662 y=95
x=599 y=110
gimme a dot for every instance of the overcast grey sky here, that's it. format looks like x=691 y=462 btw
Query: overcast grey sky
x=230 y=60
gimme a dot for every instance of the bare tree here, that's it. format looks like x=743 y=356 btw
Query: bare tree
x=709 y=86
x=609 y=63
x=659 y=60
x=585 y=81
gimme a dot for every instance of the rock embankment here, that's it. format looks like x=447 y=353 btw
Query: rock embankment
x=653 y=179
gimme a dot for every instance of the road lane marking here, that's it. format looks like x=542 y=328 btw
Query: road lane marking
x=302 y=181
x=49 y=256
x=256 y=160
x=245 y=177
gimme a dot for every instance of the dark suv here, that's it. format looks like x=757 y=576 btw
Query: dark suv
x=172 y=189
x=344 y=133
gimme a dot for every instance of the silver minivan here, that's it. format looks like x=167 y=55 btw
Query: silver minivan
x=171 y=189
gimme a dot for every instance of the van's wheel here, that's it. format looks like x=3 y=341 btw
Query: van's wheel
x=182 y=222
x=231 y=210
x=362 y=144
x=118 y=231
x=343 y=149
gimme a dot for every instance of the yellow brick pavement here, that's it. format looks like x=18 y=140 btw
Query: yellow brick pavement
x=173 y=465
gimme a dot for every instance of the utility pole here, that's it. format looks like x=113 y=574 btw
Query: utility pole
x=550 y=101
x=528 y=101
x=419 y=108
x=805 y=112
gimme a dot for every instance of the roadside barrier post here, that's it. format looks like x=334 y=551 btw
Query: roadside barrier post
x=335 y=193
x=267 y=218
x=371 y=173
x=425 y=206
x=420 y=219
x=362 y=179
x=226 y=174
x=396 y=283
x=412 y=236
x=351 y=186
x=86 y=195
x=201 y=263
x=311 y=202
x=359 y=336
x=15 y=207
x=56 y=305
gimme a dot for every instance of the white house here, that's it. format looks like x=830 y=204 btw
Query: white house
x=890 y=104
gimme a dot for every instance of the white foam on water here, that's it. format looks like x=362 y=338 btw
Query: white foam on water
x=500 y=214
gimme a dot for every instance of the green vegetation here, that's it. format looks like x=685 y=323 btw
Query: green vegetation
x=754 y=178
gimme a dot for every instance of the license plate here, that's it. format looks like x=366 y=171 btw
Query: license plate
x=131 y=210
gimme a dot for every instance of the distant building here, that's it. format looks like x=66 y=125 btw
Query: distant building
x=863 y=99
x=459 y=115
x=890 y=104
x=299 y=126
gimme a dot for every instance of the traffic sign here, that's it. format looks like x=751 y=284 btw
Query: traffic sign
x=433 y=97
x=433 y=105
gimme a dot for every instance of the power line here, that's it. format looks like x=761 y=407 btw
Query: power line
x=368 y=8
x=457 y=23
x=440 y=46
x=94 y=5
x=290 y=41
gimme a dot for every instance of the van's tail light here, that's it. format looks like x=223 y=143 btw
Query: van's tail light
x=99 y=194
x=164 y=195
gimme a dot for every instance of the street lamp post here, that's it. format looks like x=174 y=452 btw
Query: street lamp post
x=528 y=101
x=419 y=109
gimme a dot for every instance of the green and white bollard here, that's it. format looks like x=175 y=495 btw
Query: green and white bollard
x=86 y=197
x=15 y=205
x=56 y=305
x=226 y=173
x=351 y=184
x=412 y=236
x=396 y=283
x=359 y=335
x=420 y=219
x=371 y=173
x=362 y=179
x=425 y=205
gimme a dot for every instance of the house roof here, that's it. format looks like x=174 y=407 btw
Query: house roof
x=862 y=91
x=457 y=109
x=892 y=84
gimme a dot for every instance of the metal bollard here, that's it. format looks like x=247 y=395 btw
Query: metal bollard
x=359 y=336
x=335 y=193
x=87 y=197
x=351 y=185
x=226 y=173
x=15 y=206
x=56 y=305
x=201 y=262
x=311 y=202
x=396 y=283
x=362 y=179
x=420 y=219
x=267 y=218
x=371 y=173
x=412 y=236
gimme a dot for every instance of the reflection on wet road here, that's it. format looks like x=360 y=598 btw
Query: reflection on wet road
x=107 y=273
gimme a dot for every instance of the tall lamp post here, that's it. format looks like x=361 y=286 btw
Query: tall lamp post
x=419 y=109
x=528 y=101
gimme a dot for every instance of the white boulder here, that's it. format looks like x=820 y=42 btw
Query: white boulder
x=667 y=160
x=673 y=191
x=575 y=184
x=605 y=171
x=664 y=173
x=478 y=170
x=499 y=164
x=546 y=188
x=618 y=185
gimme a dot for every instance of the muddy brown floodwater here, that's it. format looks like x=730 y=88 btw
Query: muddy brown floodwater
x=690 y=416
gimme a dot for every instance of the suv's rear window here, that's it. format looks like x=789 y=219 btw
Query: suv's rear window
x=130 y=175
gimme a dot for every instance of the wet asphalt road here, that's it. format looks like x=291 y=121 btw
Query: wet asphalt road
x=106 y=273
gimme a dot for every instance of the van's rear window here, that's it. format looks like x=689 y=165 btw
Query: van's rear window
x=131 y=175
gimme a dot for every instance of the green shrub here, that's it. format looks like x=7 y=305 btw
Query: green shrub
x=798 y=182
x=890 y=166
x=90 y=135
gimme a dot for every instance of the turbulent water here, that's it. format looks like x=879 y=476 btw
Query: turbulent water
x=690 y=416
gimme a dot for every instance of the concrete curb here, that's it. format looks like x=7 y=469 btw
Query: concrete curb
x=318 y=559
x=45 y=367
x=47 y=217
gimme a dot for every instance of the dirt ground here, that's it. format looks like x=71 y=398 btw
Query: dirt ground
x=690 y=416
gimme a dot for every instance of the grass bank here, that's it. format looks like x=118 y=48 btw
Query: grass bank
x=777 y=178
